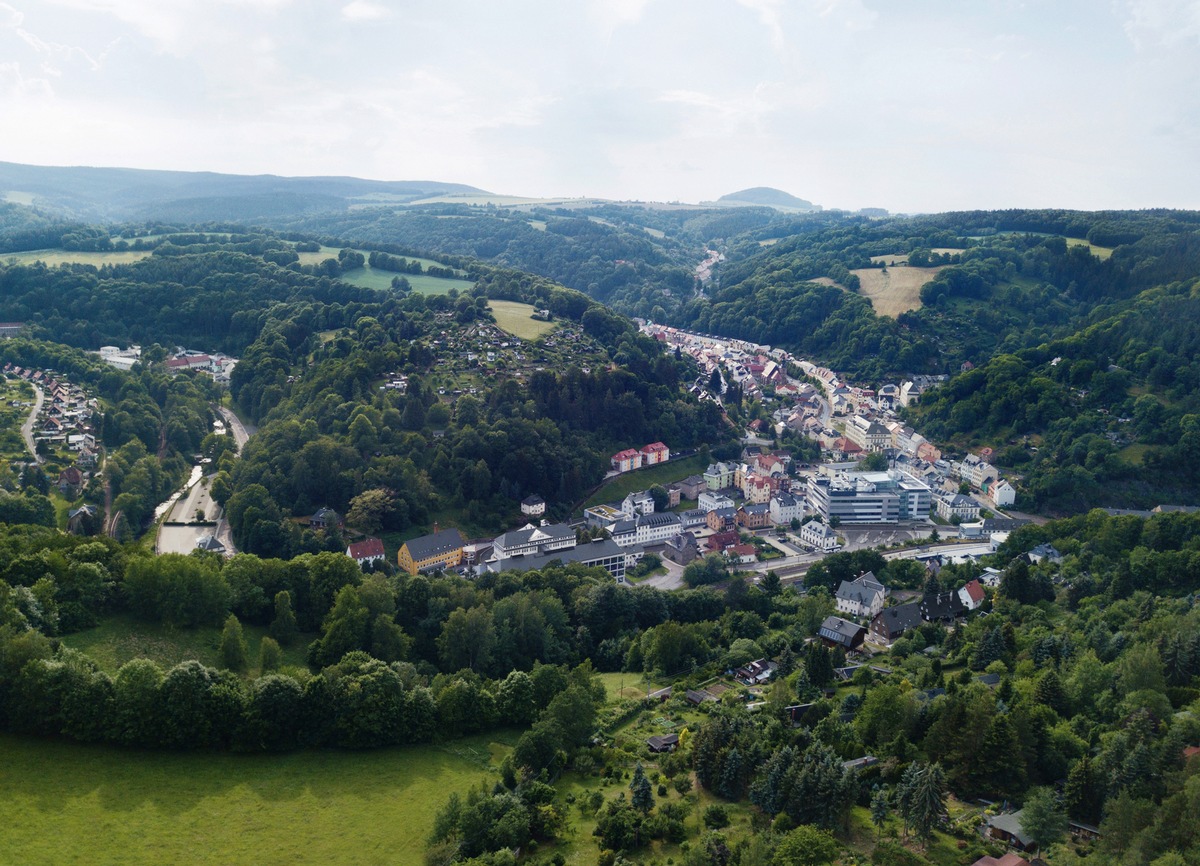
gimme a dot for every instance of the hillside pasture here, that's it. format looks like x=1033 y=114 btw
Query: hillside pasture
x=1101 y=253
x=372 y=278
x=70 y=803
x=895 y=290
x=515 y=319
x=620 y=486
x=53 y=258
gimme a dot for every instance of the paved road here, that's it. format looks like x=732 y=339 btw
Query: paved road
x=182 y=539
x=239 y=430
x=27 y=427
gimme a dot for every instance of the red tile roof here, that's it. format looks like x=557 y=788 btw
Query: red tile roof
x=975 y=591
x=365 y=549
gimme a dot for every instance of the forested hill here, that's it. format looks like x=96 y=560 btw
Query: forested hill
x=196 y=196
x=1109 y=415
x=463 y=441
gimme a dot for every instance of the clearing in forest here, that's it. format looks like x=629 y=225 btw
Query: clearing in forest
x=53 y=258
x=893 y=291
x=515 y=318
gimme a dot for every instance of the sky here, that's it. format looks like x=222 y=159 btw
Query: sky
x=910 y=105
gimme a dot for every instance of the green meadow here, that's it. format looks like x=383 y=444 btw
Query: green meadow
x=515 y=319
x=70 y=803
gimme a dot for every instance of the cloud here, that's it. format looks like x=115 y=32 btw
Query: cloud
x=10 y=17
x=1162 y=22
x=364 y=10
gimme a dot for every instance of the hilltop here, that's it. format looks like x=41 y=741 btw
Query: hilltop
x=80 y=192
x=760 y=196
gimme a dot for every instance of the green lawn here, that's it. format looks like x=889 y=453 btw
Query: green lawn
x=69 y=803
x=641 y=479
x=515 y=318
x=369 y=278
x=121 y=638
x=60 y=257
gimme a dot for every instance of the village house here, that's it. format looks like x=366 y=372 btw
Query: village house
x=742 y=554
x=681 y=549
x=719 y=541
x=754 y=516
x=863 y=596
x=533 y=506
x=818 y=536
x=756 y=673
x=721 y=518
x=943 y=607
x=892 y=622
x=366 y=552
x=837 y=632
x=972 y=595
x=325 y=518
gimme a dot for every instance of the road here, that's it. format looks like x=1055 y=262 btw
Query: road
x=236 y=427
x=183 y=538
x=27 y=428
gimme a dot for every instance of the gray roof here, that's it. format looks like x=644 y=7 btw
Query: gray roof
x=902 y=617
x=210 y=542
x=623 y=527
x=518 y=537
x=661 y=518
x=1010 y=822
x=840 y=631
x=757 y=508
x=585 y=554
x=861 y=590
x=428 y=546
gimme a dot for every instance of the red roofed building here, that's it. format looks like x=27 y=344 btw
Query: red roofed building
x=625 y=460
x=655 y=452
x=972 y=595
x=846 y=446
x=743 y=553
x=365 y=551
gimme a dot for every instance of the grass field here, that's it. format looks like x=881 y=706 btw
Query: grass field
x=1101 y=253
x=631 y=482
x=16 y=197
x=69 y=803
x=121 y=638
x=369 y=278
x=896 y=290
x=62 y=257
x=514 y=318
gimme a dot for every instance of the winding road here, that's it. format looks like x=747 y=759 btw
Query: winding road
x=27 y=428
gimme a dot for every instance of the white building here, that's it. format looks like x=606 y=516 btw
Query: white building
x=785 y=508
x=862 y=596
x=818 y=536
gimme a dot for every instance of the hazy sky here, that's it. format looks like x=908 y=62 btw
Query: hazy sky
x=912 y=105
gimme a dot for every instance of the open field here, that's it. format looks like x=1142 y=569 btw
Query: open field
x=895 y=291
x=902 y=259
x=63 y=257
x=641 y=479
x=69 y=803
x=13 y=196
x=120 y=638
x=514 y=318
x=1101 y=253
x=369 y=278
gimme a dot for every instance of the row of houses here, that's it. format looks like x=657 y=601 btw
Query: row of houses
x=65 y=419
x=634 y=458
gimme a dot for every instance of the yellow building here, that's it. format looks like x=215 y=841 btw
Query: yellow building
x=430 y=552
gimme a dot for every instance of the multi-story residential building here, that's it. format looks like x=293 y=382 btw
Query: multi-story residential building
x=654 y=453
x=624 y=461
x=868 y=435
x=863 y=596
x=957 y=508
x=785 y=508
x=719 y=476
x=710 y=501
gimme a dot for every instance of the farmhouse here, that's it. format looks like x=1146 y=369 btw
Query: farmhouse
x=367 y=551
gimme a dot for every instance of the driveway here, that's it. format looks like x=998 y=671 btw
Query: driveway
x=27 y=428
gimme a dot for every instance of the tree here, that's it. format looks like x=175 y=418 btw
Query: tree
x=881 y=808
x=233 y=646
x=371 y=510
x=660 y=496
x=642 y=798
x=806 y=846
x=1042 y=818
x=283 y=626
x=922 y=798
x=269 y=655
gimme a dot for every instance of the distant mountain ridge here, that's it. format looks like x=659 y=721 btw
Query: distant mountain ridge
x=80 y=192
x=769 y=197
